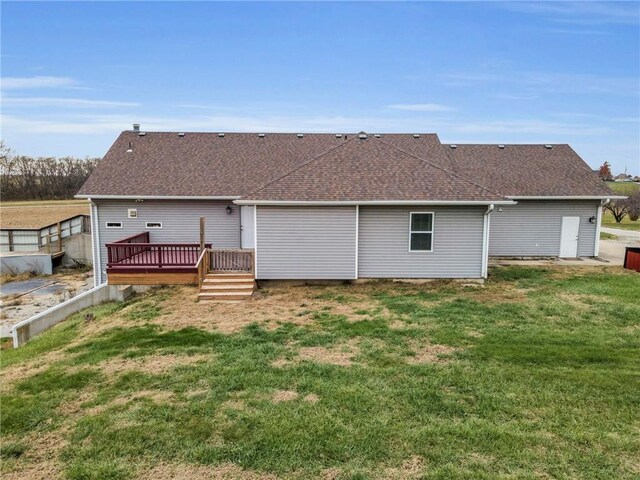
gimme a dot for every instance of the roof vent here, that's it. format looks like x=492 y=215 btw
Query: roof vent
x=548 y=147
x=338 y=135
x=362 y=136
x=261 y=135
x=136 y=127
x=142 y=134
x=181 y=134
x=300 y=135
x=501 y=147
x=416 y=135
x=453 y=146
x=377 y=135
x=130 y=149
x=221 y=135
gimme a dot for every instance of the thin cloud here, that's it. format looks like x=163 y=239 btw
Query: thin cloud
x=422 y=107
x=581 y=13
x=61 y=102
x=24 y=83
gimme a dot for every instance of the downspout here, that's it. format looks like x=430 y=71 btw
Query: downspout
x=95 y=238
x=485 y=240
x=596 y=250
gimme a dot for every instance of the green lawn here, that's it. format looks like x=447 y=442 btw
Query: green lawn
x=535 y=375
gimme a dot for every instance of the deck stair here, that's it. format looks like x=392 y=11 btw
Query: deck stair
x=227 y=286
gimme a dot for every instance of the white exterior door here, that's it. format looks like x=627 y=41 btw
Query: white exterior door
x=247 y=226
x=569 y=237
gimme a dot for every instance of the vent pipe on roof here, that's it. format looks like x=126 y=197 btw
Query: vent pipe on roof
x=136 y=127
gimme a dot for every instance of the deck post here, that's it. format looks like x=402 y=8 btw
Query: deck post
x=59 y=237
x=201 y=233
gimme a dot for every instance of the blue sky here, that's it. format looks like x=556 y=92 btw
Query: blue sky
x=76 y=74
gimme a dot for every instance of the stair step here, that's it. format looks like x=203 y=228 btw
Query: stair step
x=225 y=295
x=230 y=275
x=223 y=287
x=227 y=280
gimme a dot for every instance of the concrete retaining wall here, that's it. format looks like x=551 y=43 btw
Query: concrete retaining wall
x=27 y=329
x=77 y=248
x=17 y=263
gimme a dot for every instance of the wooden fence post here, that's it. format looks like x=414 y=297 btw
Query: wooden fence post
x=59 y=237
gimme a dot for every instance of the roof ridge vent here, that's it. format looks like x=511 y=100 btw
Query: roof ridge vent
x=548 y=147
x=377 y=135
x=142 y=134
x=221 y=135
x=300 y=135
x=261 y=135
x=501 y=147
x=416 y=135
x=338 y=135
x=453 y=146
x=181 y=134
x=362 y=136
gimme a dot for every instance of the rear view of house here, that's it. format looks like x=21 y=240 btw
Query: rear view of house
x=333 y=206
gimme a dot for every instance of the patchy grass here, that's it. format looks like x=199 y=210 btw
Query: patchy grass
x=607 y=236
x=534 y=375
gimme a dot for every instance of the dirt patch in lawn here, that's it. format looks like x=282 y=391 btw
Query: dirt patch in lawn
x=227 y=471
x=152 y=364
x=40 y=460
x=284 y=396
x=273 y=308
x=430 y=353
x=411 y=468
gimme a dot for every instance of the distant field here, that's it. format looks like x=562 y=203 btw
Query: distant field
x=624 y=188
x=37 y=214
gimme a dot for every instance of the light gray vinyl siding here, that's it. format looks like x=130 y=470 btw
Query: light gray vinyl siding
x=532 y=228
x=180 y=222
x=383 y=243
x=306 y=242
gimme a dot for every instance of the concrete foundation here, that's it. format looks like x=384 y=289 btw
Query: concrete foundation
x=16 y=263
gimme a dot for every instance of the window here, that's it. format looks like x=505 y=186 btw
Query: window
x=421 y=232
x=114 y=224
x=154 y=224
x=132 y=212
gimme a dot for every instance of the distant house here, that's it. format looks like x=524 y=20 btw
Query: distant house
x=334 y=206
x=623 y=178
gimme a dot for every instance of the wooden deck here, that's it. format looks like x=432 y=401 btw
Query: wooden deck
x=138 y=261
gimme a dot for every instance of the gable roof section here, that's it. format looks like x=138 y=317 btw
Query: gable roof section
x=527 y=170
x=372 y=170
x=200 y=164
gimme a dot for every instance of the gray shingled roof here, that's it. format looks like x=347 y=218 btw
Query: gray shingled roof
x=323 y=167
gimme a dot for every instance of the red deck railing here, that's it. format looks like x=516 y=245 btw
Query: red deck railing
x=138 y=251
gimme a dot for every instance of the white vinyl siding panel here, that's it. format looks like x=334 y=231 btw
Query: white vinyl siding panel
x=180 y=222
x=384 y=238
x=306 y=242
x=532 y=228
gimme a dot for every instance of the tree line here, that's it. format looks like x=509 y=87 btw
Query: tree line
x=41 y=178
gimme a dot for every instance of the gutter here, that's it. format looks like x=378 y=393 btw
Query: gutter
x=485 y=240
x=568 y=197
x=154 y=197
x=373 y=202
x=95 y=238
x=596 y=250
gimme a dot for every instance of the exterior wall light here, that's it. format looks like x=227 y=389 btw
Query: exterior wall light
x=229 y=209
x=592 y=219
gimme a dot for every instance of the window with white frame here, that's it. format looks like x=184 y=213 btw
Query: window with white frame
x=154 y=224
x=421 y=231
x=114 y=224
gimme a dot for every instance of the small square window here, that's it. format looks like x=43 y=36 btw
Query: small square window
x=154 y=224
x=132 y=212
x=114 y=224
x=421 y=232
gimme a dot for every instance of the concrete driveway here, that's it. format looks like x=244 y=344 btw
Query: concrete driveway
x=612 y=251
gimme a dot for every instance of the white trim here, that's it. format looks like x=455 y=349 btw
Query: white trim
x=586 y=197
x=131 y=211
x=155 y=197
x=433 y=227
x=596 y=249
x=374 y=202
x=94 y=233
x=106 y=225
x=486 y=224
x=357 y=234
x=255 y=242
x=146 y=225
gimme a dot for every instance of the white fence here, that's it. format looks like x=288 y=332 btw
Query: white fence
x=44 y=239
